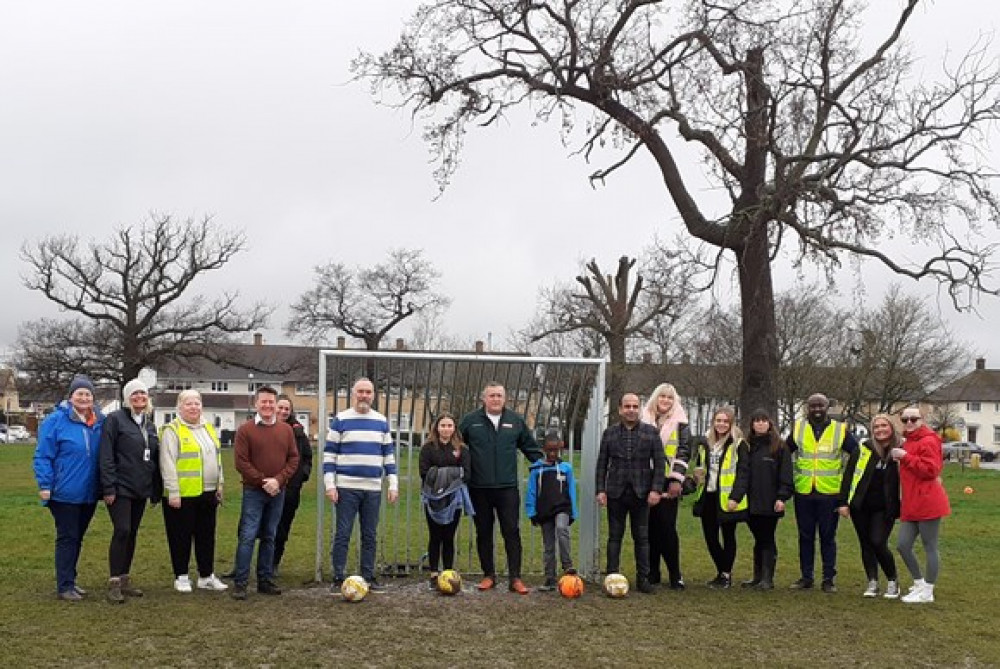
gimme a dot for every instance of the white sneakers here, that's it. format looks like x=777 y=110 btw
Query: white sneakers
x=921 y=593
x=182 y=583
x=892 y=590
x=872 y=590
x=211 y=583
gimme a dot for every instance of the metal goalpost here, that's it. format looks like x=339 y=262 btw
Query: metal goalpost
x=413 y=387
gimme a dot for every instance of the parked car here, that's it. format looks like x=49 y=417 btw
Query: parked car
x=18 y=433
x=4 y=434
x=963 y=450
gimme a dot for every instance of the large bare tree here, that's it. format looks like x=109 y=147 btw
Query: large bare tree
x=824 y=140
x=620 y=308
x=367 y=302
x=133 y=299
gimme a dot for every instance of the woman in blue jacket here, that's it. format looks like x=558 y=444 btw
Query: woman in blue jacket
x=66 y=469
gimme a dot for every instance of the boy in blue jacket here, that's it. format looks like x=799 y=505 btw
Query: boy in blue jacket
x=551 y=503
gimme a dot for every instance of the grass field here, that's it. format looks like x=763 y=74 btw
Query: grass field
x=410 y=626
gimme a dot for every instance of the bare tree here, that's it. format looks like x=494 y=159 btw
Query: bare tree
x=133 y=299
x=619 y=309
x=823 y=144
x=901 y=351
x=367 y=302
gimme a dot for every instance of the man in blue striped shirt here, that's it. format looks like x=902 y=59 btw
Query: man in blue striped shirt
x=358 y=453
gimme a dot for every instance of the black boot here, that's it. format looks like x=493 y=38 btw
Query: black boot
x=769 y=560
x=756 y=570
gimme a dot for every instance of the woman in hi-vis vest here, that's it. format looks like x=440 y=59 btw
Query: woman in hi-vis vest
x=191 y=466
x=721 y=463
x=869 y=496
x=664 y=411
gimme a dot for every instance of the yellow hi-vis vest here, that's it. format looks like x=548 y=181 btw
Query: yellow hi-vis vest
x=864 y=455
x=189 y=457
x=727 y=477
x=670 y=450
x=818 y=465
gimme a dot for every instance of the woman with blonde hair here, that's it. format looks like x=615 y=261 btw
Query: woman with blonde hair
x=191 y=466
x=721 y=470
x=869 y=495
x=665 y=412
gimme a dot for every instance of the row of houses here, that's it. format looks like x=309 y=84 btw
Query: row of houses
x=412 y=387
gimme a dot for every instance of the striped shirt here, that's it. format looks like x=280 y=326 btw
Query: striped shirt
x=358 y=451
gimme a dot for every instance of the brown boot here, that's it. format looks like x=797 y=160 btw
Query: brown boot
x=128 y=589
x=115 y=595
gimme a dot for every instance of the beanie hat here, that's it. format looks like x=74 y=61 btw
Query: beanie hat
x=133 y=386
x=81 y=381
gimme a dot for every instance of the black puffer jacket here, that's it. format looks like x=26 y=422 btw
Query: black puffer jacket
x=770 y=478
x=130 y=461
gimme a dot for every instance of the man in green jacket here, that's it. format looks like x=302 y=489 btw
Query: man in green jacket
x=494 y=434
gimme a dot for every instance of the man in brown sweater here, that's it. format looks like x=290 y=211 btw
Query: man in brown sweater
x=266 y=458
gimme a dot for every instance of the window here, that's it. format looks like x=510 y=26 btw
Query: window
x=169 y=416
x=220 y=386
x=306 y=389
x=217 y=422
x=177 y=386
x=974 y=407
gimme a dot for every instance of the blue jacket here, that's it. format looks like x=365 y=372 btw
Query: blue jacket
x=67 y=456
x=541 y=504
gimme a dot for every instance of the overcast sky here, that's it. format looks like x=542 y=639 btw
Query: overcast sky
x=242 y=110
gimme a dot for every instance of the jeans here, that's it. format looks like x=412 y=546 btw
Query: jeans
x=556 y=531
x=72 y=521
x=126 y=514
x=812 y=513
x=506 y=504
x=636 y=510
x=259 y=516
x=352 y=503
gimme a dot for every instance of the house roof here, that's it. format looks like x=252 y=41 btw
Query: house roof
x=980 y=385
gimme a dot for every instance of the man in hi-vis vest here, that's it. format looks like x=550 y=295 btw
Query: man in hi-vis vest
x=817 y=445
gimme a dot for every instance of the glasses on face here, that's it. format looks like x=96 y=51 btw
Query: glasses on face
x=910 y=419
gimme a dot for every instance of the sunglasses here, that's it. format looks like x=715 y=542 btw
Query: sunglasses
x=910 y=419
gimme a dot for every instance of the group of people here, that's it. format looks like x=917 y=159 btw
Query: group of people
x=648 y=460
x=83 y=457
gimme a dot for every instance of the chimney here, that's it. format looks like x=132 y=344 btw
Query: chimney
x=479 y=346
x=341 y=342
x=980 y=363
x=400 y=344
x=258 y=339
x=647 y=358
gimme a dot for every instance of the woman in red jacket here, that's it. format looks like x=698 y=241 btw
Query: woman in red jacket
x=924 y=502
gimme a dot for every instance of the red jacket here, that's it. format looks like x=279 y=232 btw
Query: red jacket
x=923 y=496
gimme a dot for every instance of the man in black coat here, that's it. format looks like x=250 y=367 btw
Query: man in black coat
x=630 y=476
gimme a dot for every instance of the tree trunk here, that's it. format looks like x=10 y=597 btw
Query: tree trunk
x=616 y=377
x=760 y=347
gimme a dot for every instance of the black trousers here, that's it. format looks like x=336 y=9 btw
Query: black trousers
x=505 y=503
x=126 y=515
x=763 y=529
x=194 y=520
x=292 y=498
x=636 y=511
x=723 y=552
x=663 y=540
x=874 y=528
x=441 y=542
